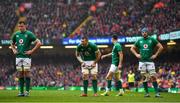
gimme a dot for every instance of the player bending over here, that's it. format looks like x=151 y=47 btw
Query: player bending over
x=88 y=55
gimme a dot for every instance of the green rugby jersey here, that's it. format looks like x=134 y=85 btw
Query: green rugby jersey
x=23 y=42
x=88 y=53
x=115 y=56
x=146 y=47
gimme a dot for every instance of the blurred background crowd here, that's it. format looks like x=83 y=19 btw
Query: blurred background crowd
x=48 y=70
x=55 y=19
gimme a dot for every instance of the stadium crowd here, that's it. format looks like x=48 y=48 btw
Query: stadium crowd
x=53 y=19
x=8 y=18
x=118 y=17
x=52 y=71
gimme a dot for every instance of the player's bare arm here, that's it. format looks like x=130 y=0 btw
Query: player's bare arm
x=37 y=45
x=120 y=59
x=13 y=47
x=98 y=56
x=106 y=55
x=159 y=50
x=133 y=50
x=79 y=57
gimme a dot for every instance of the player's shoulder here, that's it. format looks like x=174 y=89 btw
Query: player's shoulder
x=152 y=38
x=79 y=45
x=117 y=44
x=17 y=32
x=140 y=39
x=92 y=44
x=29 y=32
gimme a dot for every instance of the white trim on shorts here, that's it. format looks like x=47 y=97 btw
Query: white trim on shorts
x=87 y=68
x=145 y=67
x=25 y=62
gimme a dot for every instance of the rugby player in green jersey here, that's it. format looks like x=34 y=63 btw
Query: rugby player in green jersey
x=116 y=66
x=22 y=39
x=88 y=55
x=146 y=46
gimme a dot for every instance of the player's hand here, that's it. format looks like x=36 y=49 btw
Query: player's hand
x=119 y=66
x=83 y=64
x=103 y=56
x=138 y=56
x=153 y=56
x=14 y=51
x=29 y=52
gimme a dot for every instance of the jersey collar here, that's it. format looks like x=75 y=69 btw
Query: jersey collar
x=23 y=31
x=146 y=38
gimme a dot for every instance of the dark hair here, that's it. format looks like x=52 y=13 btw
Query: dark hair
x=115 y=37
x=84 y=37
x=22 y=22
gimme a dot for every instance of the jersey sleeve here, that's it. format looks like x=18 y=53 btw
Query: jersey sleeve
x=13 y=38
x=95 y=47
x=136 y=44
x=155 y=42
x=78 y=48
x=118 y=48
x=32 y=36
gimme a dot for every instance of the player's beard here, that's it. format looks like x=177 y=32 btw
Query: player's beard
x=145 y=35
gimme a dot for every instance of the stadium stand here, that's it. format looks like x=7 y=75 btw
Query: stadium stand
x=8 y=18
x=56 y=20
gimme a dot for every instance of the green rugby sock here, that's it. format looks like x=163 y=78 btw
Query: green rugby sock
x=28 y=80
x=85 y=86
x=119 y=85
x=109 y=85
x=145 y=84
x=94 y=84
x=21 y=85
x=155 y=85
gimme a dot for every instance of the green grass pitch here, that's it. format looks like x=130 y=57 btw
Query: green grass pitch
x=44 y=96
